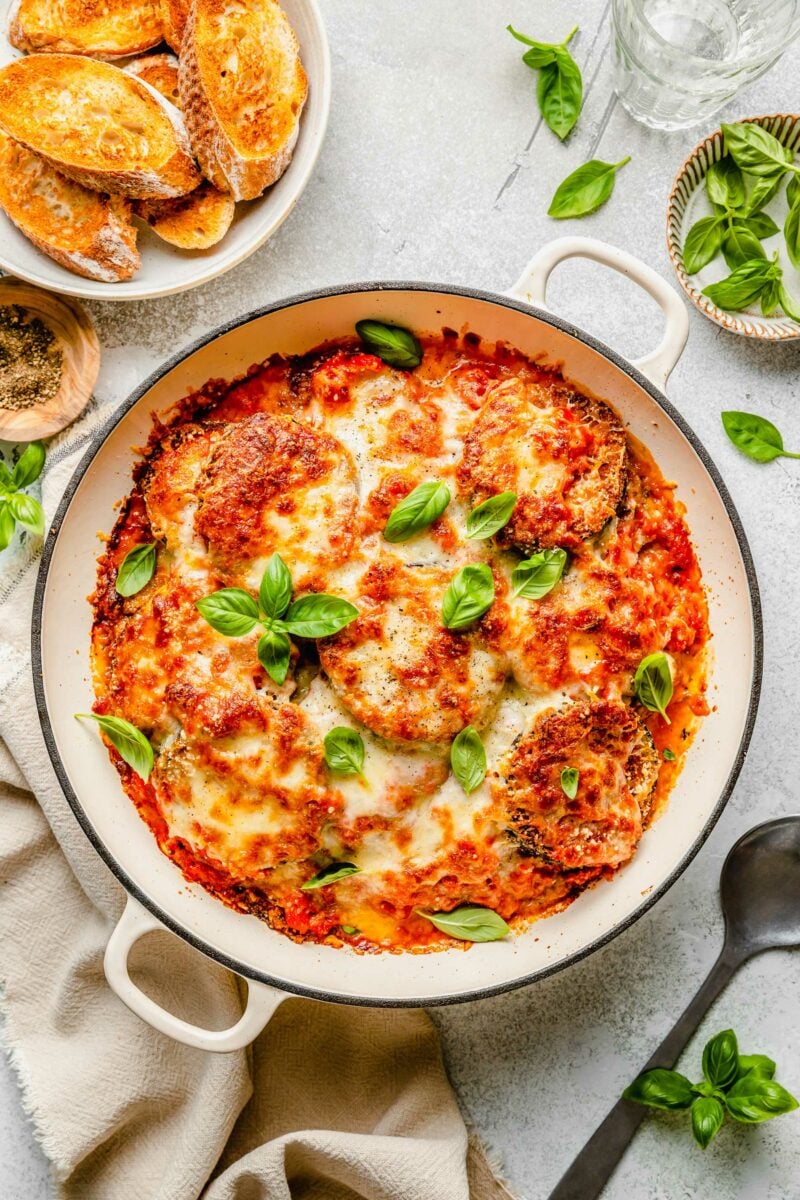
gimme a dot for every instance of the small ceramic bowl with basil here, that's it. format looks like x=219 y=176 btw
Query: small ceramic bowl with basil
x=733 y=227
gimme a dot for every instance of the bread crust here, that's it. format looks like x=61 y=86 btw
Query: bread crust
x=195 y=221
x=90 y=27
x=220 y=125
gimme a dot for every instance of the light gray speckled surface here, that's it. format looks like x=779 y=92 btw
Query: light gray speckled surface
x=436 y=167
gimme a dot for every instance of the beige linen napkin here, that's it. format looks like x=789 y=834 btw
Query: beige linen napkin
x=330 y=1103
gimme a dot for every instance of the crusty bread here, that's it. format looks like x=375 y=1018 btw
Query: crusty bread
x=173 y=18
x=96 y=123
x=193 y=222
x=161 y=72
x=84 y=231
x=242 y=89
x=101 y=28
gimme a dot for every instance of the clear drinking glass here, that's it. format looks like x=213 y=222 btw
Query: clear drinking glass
x=678 y=61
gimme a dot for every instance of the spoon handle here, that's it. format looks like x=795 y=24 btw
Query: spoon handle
x=595 y=1164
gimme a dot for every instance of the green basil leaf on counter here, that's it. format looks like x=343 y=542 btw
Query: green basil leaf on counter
x=491 y=515
x=344 y=750
x=319 y=615
x=417 y=511
x=762 y=192
x=740 y=245
x=469 y=595
x=669 y=755
x=791 y=234
x=136 y=569
x=570 y=778
x=725 y=183
x=396 y=346
x=758 y=1063
x=27 y=511
x=789 y=304
x=743 y=286
x=536 y=576
x=703 y=243
x=275 y=592
x=330 y=874
x=755 y=1098
x=707 y=1118
x=653 y=683
x=585 y=190
x=660 y=1088
x=469 y=922
x=275 y=654
x=468 y=759
x=7 y=525
x=761 y=224
x=755 y=436
x=559 y=91
x=540 y=53
x=230 y=611
x=29 y=466
x=721 y=1059
x=130 y=742
x=755 y=150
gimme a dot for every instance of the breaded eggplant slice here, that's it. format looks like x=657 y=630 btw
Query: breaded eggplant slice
x=561 y=452
x=618 y=765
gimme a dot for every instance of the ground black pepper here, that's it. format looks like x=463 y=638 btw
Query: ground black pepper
x=31 y=359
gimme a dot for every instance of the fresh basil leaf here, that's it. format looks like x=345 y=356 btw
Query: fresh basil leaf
x=725 y=183
x=762 y=191
x=136 y=569
x=707 y=1118
x=585 y=190
x=755 y=1098
x=755 y=436
x=469 y=922
x=793 y=191
x=540 y=53
x=7 y=525
x=703 y=243
x=760 y=223
x=274 y=654
x=760 y=1064
x=275 y=592
x=789 y=304
x=29 y=467
x=231 y=611
x=570 y=778
x=653 y=683
x=468 y=759
x=743 y=286
x=669 y=755
x=535 y=577
x=344 y=750
x=417 y=511
x=27 y=511
x=469 y=595
x=770 y=297
x=791 y=234
x=755 y=150
x=393 y=344
x=660 y=1088
x=319 y=615
x=490 y=516
x=6 y=483
x=739 y=245
x=130 y=742
x=559 y=91
x=721 y=1059
x=330 y=874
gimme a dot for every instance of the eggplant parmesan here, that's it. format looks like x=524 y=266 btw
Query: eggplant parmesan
x=310 y=685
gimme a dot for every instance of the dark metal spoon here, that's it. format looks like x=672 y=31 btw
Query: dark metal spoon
x=760 y=892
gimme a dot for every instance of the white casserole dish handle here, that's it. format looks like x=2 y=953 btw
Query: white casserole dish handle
x=135 y=922
x=532 y=287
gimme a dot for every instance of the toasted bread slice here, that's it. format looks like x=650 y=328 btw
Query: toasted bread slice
x=193 y=222
x=174 y=14
x=101 y=28
x=161 y=72
x=85 y=232
x=242 y=89
x=97 y=124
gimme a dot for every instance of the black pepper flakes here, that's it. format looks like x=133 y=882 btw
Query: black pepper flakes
x=31 y=359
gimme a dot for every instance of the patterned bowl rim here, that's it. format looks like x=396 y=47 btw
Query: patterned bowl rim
x=765 y=329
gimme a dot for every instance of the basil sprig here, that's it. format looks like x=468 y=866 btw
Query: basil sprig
x=396 y=346
x=559 y=89
x=234 y=612
x=469 y=595
x=344 y=750
x=758 y=278
x=468 y=759
x=469 y=923
x=491 y=515
x=741 y=1085
x=416 y=511
x=535 y=577
x=586 y=189
x=136 y=569
x=755 y=436
x=15 y=506
x=131 y=744
x=330 y=874
x=652 y=683
x=756 y=151
x=570 y=778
